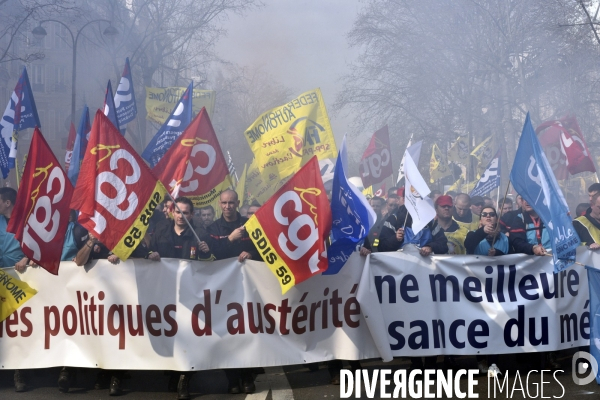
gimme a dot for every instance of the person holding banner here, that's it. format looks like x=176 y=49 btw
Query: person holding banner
x=11 y=255
x=488 y=240
x=588 y=225
x=526 y=230
x=399 y=224
x=371 y=244
x=173 y=238
x=455 y=233
x=228 y=238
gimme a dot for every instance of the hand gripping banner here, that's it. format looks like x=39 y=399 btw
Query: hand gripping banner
x=291 y=228
x=116 y=192
x=194 y=166
x=41 y=214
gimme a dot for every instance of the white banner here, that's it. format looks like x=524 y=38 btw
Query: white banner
x=189 y=315
x=182 y=315
x=424 y=306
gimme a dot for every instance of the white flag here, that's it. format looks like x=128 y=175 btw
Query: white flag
x=418 y=204
x=401 y=169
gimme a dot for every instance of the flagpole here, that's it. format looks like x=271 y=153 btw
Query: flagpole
x=501 y=208
x=187 y=222
x=17 y=171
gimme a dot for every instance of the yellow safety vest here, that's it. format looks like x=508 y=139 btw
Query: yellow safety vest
x=456 y=240
x=592 y=230
x=472 y=226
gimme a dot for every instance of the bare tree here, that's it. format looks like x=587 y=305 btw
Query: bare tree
x=243 y=93
x=476 y=67
x=15 y=16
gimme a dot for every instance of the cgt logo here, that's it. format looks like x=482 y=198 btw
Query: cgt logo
x=374 y=164
x=46 y=229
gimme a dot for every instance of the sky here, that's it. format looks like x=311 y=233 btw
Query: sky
x=302 y=43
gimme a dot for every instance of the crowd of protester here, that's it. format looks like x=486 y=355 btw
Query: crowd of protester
x=463 y=225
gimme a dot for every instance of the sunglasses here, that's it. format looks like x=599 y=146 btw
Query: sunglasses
x=488 y=214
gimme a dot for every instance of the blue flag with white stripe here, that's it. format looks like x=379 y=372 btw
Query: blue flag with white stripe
x=21 y=107
x=80 y=145
x=178 y=121
x=532 y=178
x=351 y=214
x=125 y=97
x=490 y=179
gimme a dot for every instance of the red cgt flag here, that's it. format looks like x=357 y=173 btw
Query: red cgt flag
x=565 y=147
x=116 y=192
x=376 y=162
x=291 y=228
x=41 y=214
x=194 y=166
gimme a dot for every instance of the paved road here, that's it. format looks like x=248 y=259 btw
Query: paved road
x=290 y=382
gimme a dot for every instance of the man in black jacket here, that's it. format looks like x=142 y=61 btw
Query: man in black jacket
x=228 y=238
x=392 y=234
x=173 y=238
x=227 y=235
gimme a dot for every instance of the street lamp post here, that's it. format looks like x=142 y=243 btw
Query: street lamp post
x=39 y=33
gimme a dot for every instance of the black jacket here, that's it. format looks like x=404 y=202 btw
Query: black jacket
x=220 y=245
x=388 y=241
x=163 y=242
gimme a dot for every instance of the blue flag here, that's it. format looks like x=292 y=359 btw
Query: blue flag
x=532 y=177
x=125 y=97
x=180 y=118
x=109 y=107
x=351 y=214
x=20 y=113
x=594 y=290
x=490 y=179
x=80 y=145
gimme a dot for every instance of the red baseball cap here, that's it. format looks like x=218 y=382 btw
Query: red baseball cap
x=444 y=200
x=400 y=191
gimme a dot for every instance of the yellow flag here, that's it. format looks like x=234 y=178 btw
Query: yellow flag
x=459 y=152
x=456 y=186
x=161 y=101
x=241 y=186
x=13 y=293
x=258 y=187
x=368 y=192
x=438 y=167
x=484 y=152
x=286 y=137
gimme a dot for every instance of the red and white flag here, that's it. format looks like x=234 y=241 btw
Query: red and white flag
x=565 y=147
x=291 y=228
x=376 y=162
x=116 y=192
x=194 y=166
x=41 y=214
